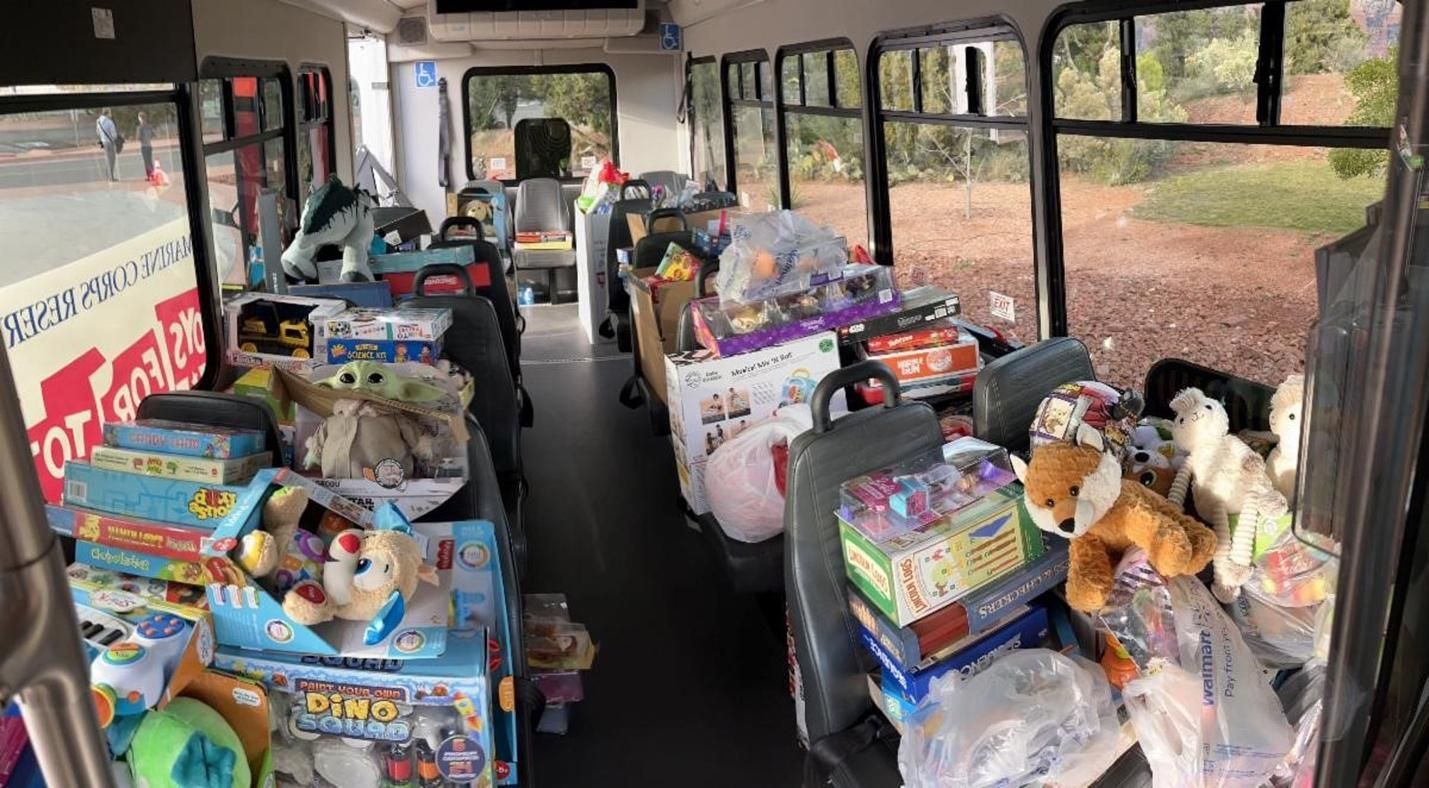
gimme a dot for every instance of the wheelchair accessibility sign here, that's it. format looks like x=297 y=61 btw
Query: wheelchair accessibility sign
x=426 y=73
x=671 y=39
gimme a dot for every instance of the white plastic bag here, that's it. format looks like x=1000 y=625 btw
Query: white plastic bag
x=739 y=476
x=770 y=254
x=1213 y=721
x=1032 y=715
x=1280 y=637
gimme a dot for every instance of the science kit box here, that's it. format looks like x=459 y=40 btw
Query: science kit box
x=189 y=440
x=713 y=399
x=400 y=722
x=172 y=501
x=175 y=466
x=909 y=574
x=387 y=335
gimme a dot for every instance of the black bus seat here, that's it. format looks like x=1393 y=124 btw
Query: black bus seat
x=1247 y=402
x=1009 y=389
x=634 y=199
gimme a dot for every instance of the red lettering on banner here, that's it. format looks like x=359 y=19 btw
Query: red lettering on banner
x=183 y=337
x=135 y=374
x=71 y=425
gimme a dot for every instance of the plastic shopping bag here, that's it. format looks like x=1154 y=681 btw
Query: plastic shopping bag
x=1280 y=637
x=741 y=479
x=1031 y=715
x=1212 y=720
x=1303 y=697
x=780 y=252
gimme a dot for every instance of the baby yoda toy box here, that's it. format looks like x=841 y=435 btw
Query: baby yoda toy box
x=399 y=722
x=278 y=330
x=913 y=564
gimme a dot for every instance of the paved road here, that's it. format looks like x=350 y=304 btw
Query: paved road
x=83 y=169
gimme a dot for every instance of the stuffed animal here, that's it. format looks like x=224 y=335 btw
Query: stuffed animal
x=362 y=441
x=368 y=576
x=187 y=745
x=1076 y=491
x=378 y=379
x=1110 y=412
x=261 y=550
x=1227 y=478
x=1153 y=458
x=334 y=215
x=1286 y=412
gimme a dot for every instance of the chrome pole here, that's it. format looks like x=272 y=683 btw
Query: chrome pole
x=42 y=662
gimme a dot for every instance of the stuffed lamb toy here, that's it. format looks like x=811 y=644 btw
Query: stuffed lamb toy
x=1227 y=477
x=333 y=215
x=1286 y=414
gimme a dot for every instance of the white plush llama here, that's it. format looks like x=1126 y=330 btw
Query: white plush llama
x=1286 y=415
x=1227 y=477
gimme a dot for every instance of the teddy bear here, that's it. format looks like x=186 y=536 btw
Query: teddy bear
x=1227 y=478
x=1286 y=412
x=1075 y=490
x=369 y=575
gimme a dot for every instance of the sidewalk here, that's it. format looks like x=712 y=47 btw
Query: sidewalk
x=79 y=152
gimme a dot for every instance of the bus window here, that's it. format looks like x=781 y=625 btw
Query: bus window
x=823 y=155
x=707 y=119
x=495 y=100
x=1181 y=234
x=749 y=108
x=99 y=300
x=315 y=147
x=954 y=146
x=253 y=155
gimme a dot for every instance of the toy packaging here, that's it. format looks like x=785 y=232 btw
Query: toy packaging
x=369 y=295
x=378 y=722
x=712 y=398
x=399 y=270
x=856 y=293
x=918 y=307
x=176 y=466
x=279 y=330
x=778 y=253
x=190 y=440
x=922 y=490
x=152 y=550
x=164 y=596
x=173 y=501
x=260 y=383
x=937 y=356
x=392 y=336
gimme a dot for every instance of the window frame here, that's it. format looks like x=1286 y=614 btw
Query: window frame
x=184 y=96
x=735 y=60
x=692 y=115
x=307 y=123
x=519 y=71
x=782 y=108
x=1268 y=130
x=982 y=29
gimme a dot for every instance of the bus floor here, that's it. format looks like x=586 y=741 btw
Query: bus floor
x=690 y=685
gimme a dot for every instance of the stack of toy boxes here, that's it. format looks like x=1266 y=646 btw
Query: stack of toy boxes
x=937 y=359
x=446 y=670
x=388 y=335
x=557 y=650
x=179 y=452
x=942 y=562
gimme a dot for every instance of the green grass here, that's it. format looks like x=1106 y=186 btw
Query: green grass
x=1291 y=195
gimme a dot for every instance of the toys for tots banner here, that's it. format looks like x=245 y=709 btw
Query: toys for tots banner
x=88 y=341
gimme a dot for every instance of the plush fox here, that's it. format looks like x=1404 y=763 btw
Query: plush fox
x=1076 y=491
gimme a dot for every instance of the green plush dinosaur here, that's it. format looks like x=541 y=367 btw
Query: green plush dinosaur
x=374 y=377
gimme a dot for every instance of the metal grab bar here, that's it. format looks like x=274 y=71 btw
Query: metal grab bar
x=42 y=662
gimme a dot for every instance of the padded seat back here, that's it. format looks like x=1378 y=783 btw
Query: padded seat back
x=1247 y=402
x=634 y=198
x=216 y=409
x=1009 y=389
x=497 y=291
x=540 y=206
x=669 y=180
x=831 y=663
x=474 y=341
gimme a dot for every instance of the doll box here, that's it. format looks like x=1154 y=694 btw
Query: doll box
x=190 y=440
x=387 y=351
x=911 y=574
x=175 y=466
x=712 y=399
x=424 y=715
x=172 y=501
x=247 y=614
x=278 y=330
x=389 y=324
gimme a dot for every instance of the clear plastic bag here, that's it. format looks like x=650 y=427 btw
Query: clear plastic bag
x=1303 y=697
x=1280 y=637
x=740 y=476
x=1032 y=715
x=1212 y=720
x=1138 y=613
x=774 y=253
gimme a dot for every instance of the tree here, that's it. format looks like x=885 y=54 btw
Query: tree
x=493 y=100
x=1320 y=35
x=1229 y=63
x=1375 y=86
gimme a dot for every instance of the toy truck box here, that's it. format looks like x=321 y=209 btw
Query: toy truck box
x=278 y=330
x=239 y=470
x=712 y=399
x=911 y=574
x=172 y=501
x=248 y=612
x=189 y=440
x=152 y=550
x=401 y=722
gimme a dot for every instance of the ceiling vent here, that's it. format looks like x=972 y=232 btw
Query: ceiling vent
x=412 y=31
x=519 y=25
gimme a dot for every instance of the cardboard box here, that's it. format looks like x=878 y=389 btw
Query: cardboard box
x=175 y=466
x=712 y=399
x=909 y=575
x=390 y=324
x=714 y=223
x=172 y=501
x=190 y=440
x=261 y=384
x=155 y=550
x=280 y=330
x=387 y=351
x=656 y=315
x=919 y=306
x=931 y=366
x=372 y=295
x=385 y=702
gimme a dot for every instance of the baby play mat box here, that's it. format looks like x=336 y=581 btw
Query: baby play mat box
x=373 y=722
x=713 y=399
x=280 y=330
x=386 y=335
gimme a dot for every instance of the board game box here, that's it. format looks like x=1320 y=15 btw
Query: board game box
x=177 y=466
x=173 y=501
x=190 y=440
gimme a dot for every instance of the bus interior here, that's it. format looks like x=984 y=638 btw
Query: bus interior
x=714 y=393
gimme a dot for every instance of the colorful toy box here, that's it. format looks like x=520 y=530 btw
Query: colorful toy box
x=919 y=307
x=173 y=501
x=392 y=336
x=395 y=722
x=388 y=351
x=189 y=440
x=264 y=328
x=176 y=466
x=910 y=574
x=165 y=596
x=153 y=550
x=712 y=399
